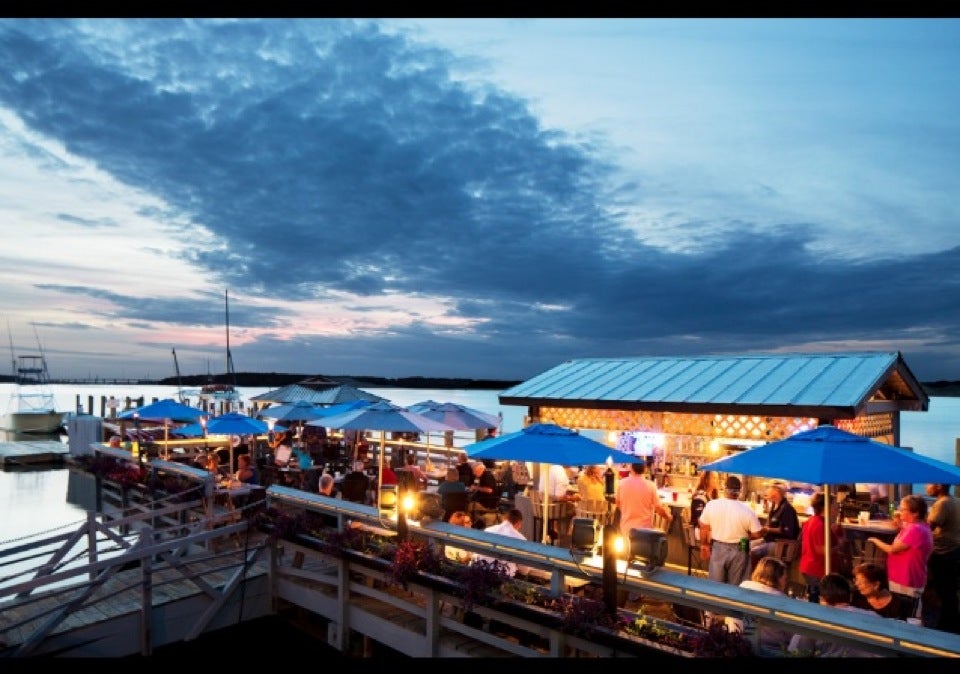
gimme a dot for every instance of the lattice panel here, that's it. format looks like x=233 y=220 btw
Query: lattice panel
x=604 y=420
x=706 y=425
x=869 y=425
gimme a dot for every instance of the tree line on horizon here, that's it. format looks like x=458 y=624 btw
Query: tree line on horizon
x=938 y=388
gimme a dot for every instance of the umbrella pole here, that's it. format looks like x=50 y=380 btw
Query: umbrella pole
x=826 y=528
x=545 y=534
x=383 y=447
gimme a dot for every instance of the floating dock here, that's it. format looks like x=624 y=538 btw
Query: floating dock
x=32 y=452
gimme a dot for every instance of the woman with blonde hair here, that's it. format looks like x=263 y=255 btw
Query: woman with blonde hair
x=590 y=483
x=769 y=576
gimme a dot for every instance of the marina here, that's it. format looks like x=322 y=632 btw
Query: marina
x=196 y=569
x=942 y=410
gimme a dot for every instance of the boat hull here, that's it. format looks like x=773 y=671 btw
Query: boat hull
x=32 y=422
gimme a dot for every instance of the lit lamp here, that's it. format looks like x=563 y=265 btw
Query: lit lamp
x=648 y=549
x=136 y=426
x=203 y=427
x=407 y=504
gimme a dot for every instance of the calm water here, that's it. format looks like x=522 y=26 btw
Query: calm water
x=36 y=500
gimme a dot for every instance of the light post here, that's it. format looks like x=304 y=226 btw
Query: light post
x=136 y=426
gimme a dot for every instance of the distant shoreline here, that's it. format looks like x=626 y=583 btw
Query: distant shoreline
x=940 y=388
x=276 y=380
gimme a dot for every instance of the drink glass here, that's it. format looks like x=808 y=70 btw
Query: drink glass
x=675 y=495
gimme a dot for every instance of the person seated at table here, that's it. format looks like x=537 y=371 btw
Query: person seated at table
x=327 y=485
x=355 y=484
x=212 y=463
x=834 y=591
x=460 y=519
x=246 y=473
x=283 y=455
x=389 y=477
x=114 y=441
x=782 y=522
x=453 y=493
x=510 y=526
x=464 y=470
x=483 y=491
x=591 y=484
x=769 y=576
x=873 y=592
x=418 y=479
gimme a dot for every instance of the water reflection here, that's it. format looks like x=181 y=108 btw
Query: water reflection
x=14 y=436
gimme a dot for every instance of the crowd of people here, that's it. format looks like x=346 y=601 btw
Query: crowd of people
x=918 y=579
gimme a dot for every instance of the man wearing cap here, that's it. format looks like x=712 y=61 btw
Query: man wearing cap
x=723 y=523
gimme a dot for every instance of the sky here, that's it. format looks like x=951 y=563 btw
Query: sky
x=480 y=198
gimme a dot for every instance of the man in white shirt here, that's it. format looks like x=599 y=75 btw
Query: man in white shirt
x=723 y=523
x=510 y=526
x=556 y=483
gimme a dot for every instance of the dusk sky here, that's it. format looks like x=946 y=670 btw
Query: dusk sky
x=477 y=198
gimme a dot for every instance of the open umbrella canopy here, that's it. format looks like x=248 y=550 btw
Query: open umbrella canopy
x=461 y=417
x=829 y=455
x=423 y=406
x=547 y=443
x=333 y=410
x=382 y=416
x=168 y=408
x=234 y=423
x=298 y=411
x=197 y=431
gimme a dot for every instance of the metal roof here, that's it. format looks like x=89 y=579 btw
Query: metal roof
x=824 y=385
x=333 y=395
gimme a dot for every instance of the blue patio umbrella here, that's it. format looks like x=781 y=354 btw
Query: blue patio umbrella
x=828 y=455
x=343 y=407
x=298 y=411
x=461 y=417
x=546 y=444
x=197 y=430
x=165 y=411
x=381 y=416
x=234 y=423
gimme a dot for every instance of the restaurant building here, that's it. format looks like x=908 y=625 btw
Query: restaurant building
x=685 y=411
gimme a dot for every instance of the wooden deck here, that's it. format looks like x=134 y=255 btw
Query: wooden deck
x=32 y=452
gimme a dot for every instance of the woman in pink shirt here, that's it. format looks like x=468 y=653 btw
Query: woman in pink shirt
x=908 y=553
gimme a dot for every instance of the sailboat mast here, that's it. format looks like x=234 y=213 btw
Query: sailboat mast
x=226 y=307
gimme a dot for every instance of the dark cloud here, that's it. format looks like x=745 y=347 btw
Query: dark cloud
x=329 y=156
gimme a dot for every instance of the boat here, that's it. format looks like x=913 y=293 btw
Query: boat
x=216 y=397
x=32 y=406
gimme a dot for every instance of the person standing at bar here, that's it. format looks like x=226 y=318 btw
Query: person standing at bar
x=943 y=566
x=907 y=555
x=638 y=500
x=724 y=522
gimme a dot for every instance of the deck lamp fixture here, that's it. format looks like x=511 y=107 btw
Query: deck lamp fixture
x=203 y=427
x=609 y=479
x=648 y=549
x=586 y=536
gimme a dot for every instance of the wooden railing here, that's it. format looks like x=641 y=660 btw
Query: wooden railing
x=863 y=631
x=351 y=591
